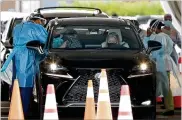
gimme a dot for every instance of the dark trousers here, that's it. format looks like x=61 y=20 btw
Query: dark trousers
x=26 y=97
x=25 y=92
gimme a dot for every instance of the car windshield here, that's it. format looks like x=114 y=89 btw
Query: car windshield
x=93 y=37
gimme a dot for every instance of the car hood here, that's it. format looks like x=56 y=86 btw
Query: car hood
x=100 y=59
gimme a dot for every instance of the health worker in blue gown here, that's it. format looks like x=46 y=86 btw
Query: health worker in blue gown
x=26 y=61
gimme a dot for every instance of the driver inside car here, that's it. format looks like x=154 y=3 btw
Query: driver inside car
x=113 y=41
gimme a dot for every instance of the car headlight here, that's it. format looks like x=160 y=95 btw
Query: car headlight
x=140 y=67
x=143 y=66
x=53 y=66
x=56 y=67
x=143 y=69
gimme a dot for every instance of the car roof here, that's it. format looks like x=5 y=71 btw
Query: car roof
x=90 y=21
x=71 y=13
x=67 y=12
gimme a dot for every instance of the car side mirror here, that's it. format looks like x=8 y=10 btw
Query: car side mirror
x=153 y=46
x=36 y=45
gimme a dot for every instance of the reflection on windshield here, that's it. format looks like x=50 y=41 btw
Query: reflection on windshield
x=94 y=37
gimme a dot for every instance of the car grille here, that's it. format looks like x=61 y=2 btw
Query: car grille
x=78 y=91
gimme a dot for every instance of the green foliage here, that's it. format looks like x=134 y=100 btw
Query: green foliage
x=122 y=8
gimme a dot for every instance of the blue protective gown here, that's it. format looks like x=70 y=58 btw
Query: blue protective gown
x=26 y=60
x=164 y=62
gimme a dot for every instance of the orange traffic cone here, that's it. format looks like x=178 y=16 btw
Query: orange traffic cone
x=50 y=112
x=16 y=109
x=125 y=110
x=90 y=104
x=104 y=107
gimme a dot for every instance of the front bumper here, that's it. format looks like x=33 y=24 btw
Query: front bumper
x=113 y=105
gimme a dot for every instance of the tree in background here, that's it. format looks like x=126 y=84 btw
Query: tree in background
x=122 y=7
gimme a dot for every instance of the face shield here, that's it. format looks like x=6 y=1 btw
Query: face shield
x=154 y=26
x=43 y=21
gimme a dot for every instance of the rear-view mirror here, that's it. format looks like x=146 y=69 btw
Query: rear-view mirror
x=153 y=46
x=36 y=45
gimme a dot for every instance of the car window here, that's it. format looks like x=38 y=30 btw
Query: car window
x=5 y=33
x=93 y=37
x=16 y=22
x=9 y=28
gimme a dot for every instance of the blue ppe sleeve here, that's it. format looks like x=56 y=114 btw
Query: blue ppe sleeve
x=57 y=42
x=42 y=34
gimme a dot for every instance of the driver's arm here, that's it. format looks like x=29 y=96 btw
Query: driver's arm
x=41 y=34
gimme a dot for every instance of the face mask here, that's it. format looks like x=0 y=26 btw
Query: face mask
x=168 y=23
x=111 y=43
x=147 y=38
x=153 y=33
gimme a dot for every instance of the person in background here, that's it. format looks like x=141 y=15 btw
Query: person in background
x=164 y=65
x=114 y=15
x=173 y=33
x=26 y=61
x=142 y=33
